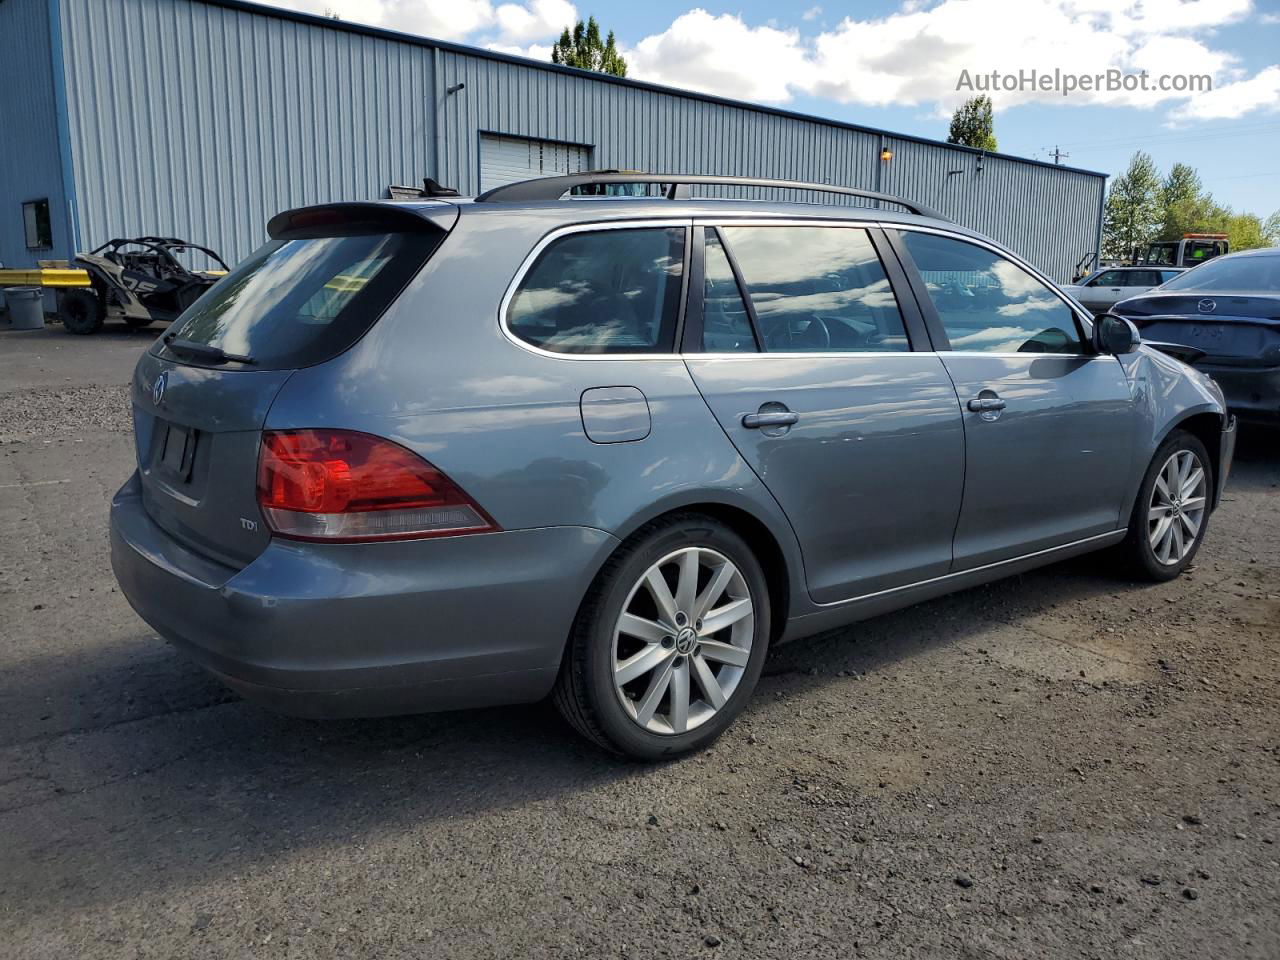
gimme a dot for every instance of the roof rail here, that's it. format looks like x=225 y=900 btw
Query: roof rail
x=553 y=188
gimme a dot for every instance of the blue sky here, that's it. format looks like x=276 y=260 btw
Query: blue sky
x=896 y=64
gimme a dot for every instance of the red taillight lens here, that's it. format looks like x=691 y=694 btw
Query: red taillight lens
x=343 y=486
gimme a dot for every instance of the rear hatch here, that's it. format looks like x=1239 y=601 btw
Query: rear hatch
x=201 y=394
x=1233 y=329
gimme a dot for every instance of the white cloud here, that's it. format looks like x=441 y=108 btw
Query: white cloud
x=721 y=54
x=534 y=51
x=1232 y=100
x=916 y=55
x=811 y=14
x=514 y=23
x=539 y=19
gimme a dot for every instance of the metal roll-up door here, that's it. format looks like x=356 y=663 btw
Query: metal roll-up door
x=508 y=159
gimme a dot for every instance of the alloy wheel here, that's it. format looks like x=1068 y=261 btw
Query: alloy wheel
x=683 y=640
x=1176 y=511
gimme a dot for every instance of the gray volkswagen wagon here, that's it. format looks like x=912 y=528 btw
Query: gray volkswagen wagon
x=421 y=455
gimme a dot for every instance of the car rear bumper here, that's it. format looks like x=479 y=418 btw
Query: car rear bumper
x=1252 y=393
x=365 y=629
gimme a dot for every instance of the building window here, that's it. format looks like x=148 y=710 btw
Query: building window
x=35 y=220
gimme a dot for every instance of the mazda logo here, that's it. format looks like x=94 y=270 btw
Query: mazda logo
x=1206 y=306
x=158 y=388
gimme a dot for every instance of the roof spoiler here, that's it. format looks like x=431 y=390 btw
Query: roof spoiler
x=358 y=215
x=677 y=188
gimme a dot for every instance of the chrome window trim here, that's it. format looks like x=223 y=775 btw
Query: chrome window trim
x=532 y=257
x=780 y=221
x=1076 y=309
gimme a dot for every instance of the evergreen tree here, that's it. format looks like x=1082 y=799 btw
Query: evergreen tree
x=1133 y=212
x=584 y=49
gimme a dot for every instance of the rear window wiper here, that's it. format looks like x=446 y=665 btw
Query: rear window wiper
x=205 y=351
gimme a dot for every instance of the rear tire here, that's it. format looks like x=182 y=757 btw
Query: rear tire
x=652 y=681
x=81 y=311
x=1171 y=513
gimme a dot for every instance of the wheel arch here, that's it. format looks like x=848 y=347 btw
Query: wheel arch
x=1205 y=424
x=777 y=550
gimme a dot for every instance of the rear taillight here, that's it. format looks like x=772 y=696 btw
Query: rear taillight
x=339 y=485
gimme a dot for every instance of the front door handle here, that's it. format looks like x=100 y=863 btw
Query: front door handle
x=984 y=404
x=774 y=418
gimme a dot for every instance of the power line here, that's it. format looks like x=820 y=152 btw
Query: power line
x=1220 y=133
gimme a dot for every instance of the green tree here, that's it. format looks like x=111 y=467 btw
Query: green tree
x=1271 y=230
x=973 y=124
x=1184 y=206
x=584 y=49
x=1133 y=212
x=1245 y=231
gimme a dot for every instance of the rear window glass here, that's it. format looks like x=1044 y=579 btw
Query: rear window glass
x=300 y=300
x=606 y=291
x=1252 y=273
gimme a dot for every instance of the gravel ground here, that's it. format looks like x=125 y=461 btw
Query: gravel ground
x=1058 y=765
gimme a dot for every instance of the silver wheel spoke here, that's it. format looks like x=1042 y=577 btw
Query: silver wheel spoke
x=1162 y=537
x=679 y=715
x=1162 y=487
x=715 y=589
x=707 y=682
x=1177 y=541
x=640 y=664
x=1193 y=526
x=725 y=653
x=1191 y=484
x=642 y=629
x=725 y=616
x=657 y=585
x=1193 y=504
x=646 y=708
x=687 y=582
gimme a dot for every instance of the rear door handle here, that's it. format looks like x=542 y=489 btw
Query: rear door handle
x=981 y=404
x=777 y=418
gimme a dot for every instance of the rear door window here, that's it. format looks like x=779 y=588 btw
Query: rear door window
x=302 y=299
x=817 y=289
x=989 y=304
x=603 y=291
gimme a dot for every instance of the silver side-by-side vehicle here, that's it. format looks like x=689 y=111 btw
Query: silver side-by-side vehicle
x=421 y=455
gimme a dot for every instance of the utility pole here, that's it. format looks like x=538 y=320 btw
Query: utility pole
x=1058 y=155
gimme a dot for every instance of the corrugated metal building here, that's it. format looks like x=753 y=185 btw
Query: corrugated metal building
x=202 y=118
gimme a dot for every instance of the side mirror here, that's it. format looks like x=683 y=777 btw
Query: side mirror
x=1115 y=335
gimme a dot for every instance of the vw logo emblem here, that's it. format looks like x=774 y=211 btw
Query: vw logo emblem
x=1206 y=306
x=157 y=388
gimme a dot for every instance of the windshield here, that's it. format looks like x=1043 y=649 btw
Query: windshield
x=1260 y=273
x=300 y=300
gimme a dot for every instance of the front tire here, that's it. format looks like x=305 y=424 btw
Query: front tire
x=1171 y=513
x=669 y=642
x=81 y=311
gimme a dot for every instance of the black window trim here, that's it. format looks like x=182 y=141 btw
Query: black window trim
x=598 y=226
x=942 y=343
x=914 y=323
